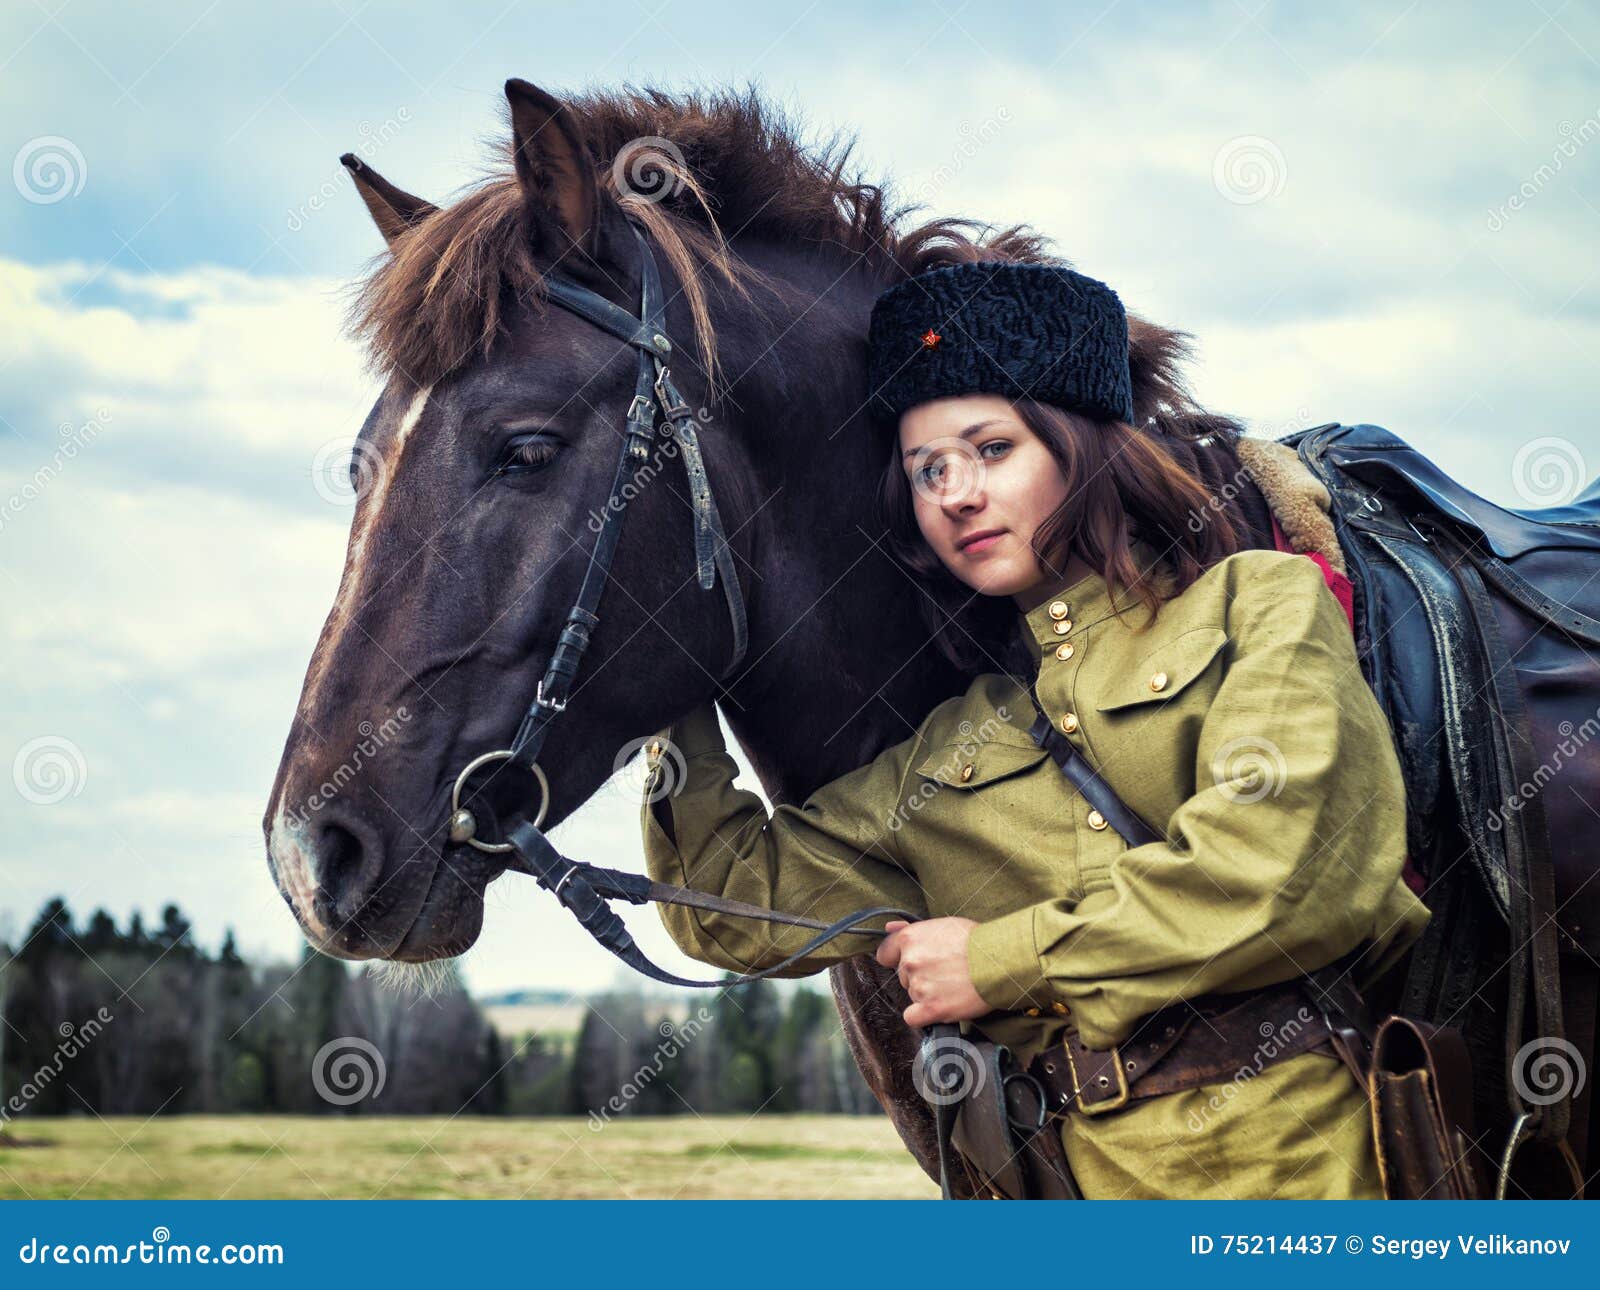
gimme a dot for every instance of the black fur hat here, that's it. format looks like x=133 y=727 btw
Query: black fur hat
x=1039 y=331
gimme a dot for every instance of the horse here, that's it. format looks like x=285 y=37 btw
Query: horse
x=481 y=469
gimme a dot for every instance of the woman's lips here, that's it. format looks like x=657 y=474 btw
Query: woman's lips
x=982 y=544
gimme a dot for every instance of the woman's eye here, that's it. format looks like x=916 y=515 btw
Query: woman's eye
x=526 y=453
x=1001 y=444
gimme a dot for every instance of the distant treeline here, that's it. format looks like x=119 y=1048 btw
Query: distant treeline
x=138 y=1021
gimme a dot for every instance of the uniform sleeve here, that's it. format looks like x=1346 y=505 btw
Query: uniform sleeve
x=1287 y=856
x=833 y=855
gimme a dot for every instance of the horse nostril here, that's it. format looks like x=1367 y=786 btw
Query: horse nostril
x=344 y=866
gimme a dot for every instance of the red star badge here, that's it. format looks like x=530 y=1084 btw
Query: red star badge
x=931 y=339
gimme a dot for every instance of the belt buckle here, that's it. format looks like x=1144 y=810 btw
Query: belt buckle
x=1099 y=1108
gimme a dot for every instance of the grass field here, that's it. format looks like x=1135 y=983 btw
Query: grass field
x=718 y=1157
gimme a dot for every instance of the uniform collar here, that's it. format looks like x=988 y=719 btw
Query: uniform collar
x=1087 y=600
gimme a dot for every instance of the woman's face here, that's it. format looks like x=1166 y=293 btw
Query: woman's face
x=981 y=483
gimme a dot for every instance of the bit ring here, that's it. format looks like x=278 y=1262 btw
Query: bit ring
x=463 y=824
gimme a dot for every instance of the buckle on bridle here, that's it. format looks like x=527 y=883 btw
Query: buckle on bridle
x=557 y=705
x=1098 y=1108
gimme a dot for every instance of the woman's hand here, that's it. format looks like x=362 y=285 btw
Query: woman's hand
x=932 y=960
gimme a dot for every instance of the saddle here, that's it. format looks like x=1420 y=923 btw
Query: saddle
x=1478 y=628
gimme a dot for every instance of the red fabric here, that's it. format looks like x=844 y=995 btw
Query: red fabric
x=1345 y=595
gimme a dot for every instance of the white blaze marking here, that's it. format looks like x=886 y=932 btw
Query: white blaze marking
x=354 y=576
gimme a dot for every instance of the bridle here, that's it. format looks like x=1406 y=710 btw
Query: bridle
x=653 y=390
x=586 y=888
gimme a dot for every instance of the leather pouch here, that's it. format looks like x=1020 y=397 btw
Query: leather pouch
x=1009 y=1146
x=1420 y=1093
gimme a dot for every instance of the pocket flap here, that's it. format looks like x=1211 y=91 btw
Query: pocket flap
x=971 y=764
x=1165 y=671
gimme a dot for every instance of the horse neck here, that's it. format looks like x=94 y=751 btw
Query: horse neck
x=840 y=666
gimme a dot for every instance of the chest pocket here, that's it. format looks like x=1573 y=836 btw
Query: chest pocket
x=972 y=765
x=1166 y=671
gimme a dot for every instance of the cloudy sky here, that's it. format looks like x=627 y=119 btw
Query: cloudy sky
x=1379 y=212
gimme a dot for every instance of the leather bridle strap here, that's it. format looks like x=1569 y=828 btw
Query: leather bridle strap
x=653 y=390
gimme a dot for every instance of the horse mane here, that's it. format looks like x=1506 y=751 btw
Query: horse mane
x=723 y=164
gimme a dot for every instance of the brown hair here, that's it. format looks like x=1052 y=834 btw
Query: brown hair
x=1122 y=484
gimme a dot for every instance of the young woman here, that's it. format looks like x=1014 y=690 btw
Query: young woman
x=1071 y=561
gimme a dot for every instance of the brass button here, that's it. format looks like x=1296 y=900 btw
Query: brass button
x=1069 y=723
x=1063 y=627
x=1064 y=651
x=1158 y=681
x=966 y=772
x=1033 y=1012
x=1060 y=1008
x=1096 y=820
x=1059 y=609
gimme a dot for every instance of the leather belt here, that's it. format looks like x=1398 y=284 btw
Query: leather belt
x=1210 y=1039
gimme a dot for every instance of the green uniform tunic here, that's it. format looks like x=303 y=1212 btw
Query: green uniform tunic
x=1240 y=721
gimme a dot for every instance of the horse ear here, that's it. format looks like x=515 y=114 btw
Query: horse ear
x=393 y=210
x=553 y=165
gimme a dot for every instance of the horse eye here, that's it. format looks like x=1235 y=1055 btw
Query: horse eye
x=526 y=453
